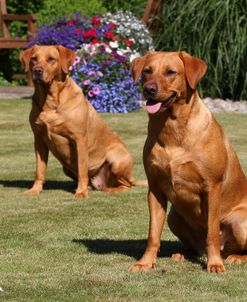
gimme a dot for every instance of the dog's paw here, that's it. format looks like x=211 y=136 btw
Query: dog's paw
x=141 y=267
x=216 y=267
x=177 y=257
x=81 y=194
x=32 y=192
x=234 y=259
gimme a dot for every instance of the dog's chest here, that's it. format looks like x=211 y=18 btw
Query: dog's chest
x=50 y=127
x=176 y=174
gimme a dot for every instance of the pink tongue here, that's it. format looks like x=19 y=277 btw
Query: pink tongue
x=153 y=108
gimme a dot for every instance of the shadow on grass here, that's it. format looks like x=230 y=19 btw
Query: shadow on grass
x=134 y=248
x=68 y=186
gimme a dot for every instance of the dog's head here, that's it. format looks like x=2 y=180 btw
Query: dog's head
x=166 y=77
x=47 y=63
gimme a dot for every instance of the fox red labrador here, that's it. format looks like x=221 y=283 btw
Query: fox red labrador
x=65 y=123
x=189 y=161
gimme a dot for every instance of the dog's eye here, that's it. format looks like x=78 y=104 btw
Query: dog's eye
x=34 y=59
x=170 y=73
x=147 y=70
x=51 y=59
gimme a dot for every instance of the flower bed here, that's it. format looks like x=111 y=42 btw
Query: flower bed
x=105 y=45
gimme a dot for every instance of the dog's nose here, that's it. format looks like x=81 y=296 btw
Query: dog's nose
x=150 y=89
x=38 y=72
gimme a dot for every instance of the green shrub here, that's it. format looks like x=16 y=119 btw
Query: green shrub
x=137 y=7
x=53 y=9
x=215 y=31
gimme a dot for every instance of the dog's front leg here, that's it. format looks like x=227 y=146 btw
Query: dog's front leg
x=82 y=159
x=157 y=209
x=214 y=260
x=41 y=153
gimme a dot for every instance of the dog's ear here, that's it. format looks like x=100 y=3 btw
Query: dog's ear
x=194 y=69
x=136 y=67
x=25 y=56
x=67 y=57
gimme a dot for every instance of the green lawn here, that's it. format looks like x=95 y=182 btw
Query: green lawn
x=55 y=248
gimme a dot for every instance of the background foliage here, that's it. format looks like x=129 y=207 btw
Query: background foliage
x=9 y=58
x=56 y=9
x=137 y=7
x=215 y=31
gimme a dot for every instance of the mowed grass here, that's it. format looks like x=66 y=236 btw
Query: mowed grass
x=56 y=248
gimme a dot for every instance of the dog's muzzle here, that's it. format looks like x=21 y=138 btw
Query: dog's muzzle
x=38 y=73
x=150 y=90
x=154 y=106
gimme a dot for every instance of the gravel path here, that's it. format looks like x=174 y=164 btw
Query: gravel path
x=215 y=105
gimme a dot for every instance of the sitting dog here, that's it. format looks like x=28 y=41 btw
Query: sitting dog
x=64 y=122
x=189 y=161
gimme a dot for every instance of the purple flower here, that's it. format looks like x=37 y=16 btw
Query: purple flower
x=102 y=48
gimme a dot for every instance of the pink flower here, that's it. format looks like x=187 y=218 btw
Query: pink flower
x=96 y=90
x=76 y=60
x=90 y=93
x=100 y=74
x=91 y=73
x=86 y=82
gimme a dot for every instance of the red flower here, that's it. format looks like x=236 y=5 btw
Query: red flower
x=112 y=25
x=86 y=34
x=128 y=42
x=116 y=38
x=95 y=41
x=71 y=22
x=109 y=34
x=96 y=21
x=78 y=31
x=91 y=33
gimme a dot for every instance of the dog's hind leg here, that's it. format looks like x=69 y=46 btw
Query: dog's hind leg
x=234 y=236
x=70 y=174
x=193 y=240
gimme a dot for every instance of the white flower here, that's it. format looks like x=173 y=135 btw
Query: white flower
x=128 y=26
x=113 y=44
x=133 y=56
x=107 y=49
x=120 y=52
